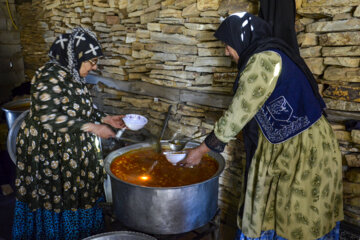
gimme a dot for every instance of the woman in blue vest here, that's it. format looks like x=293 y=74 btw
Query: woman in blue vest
x=294 y=180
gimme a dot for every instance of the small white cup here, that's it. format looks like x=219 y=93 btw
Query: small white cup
x=135 y=121
x=174 y=157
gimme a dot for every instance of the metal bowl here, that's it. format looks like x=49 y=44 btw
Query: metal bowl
x=120 y=235
x=177 y=145
x=14 y=109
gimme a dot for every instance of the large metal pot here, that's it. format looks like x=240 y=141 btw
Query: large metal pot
x=14 y=109
x=170 y=210
x=12 y=135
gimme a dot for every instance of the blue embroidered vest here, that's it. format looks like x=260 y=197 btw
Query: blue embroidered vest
x=291 y=108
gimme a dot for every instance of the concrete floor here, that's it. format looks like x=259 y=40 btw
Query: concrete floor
x=7 y=212
x=7 y=196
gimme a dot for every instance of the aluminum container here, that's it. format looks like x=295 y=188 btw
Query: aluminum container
x=12 y=135
x=159 y=210
x=14 y=108
x=120 y=235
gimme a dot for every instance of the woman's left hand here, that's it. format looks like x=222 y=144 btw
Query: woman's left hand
x=115 y=121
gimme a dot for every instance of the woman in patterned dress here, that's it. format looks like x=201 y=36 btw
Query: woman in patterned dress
x=60 y=174
x=293 y=184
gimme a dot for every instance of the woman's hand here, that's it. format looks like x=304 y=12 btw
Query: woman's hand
x=114 y=121
x=100 y=130
x=194 y=155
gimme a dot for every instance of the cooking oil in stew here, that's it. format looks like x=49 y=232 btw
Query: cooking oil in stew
x=134 y=166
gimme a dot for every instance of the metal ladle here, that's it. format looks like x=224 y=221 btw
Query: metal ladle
x=157 y=144
x=179 y=144
x=119 y=137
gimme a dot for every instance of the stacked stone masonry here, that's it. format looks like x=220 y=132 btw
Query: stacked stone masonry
x=164 y=53
x=329 y=37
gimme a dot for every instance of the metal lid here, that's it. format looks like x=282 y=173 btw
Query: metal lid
x=121 y=235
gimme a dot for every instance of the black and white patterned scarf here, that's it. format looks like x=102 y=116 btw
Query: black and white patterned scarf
x=69 y=50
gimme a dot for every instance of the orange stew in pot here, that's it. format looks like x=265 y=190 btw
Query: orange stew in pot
x=137 y=167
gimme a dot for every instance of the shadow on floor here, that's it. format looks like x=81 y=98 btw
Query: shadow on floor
x=7 y=202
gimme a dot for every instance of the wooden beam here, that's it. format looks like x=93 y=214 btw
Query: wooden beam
x=174 y=94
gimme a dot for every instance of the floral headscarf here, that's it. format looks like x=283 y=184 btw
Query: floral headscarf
x=70 y=50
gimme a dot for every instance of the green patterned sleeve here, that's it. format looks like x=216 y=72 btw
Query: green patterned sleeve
x=256 y=84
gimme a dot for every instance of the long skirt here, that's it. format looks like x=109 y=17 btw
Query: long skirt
x=44 y=224
x=334 y=234
x=294 y=187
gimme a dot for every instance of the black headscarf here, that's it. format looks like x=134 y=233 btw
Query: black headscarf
x=249 y=34
x=69 y=50
x=280 y=15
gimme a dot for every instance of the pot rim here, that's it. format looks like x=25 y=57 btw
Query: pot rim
x=5 y=107
x=111 y=156
x=103 y=236
x=12 y=135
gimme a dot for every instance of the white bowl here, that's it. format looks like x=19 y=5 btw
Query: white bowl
x=135 y=121
x=175 y=156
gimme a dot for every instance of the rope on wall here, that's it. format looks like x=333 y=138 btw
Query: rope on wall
x=12 y=20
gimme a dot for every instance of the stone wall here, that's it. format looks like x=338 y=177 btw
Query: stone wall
x=35 y=32
x=329 y=36
x=11 y=61
x=160 y=53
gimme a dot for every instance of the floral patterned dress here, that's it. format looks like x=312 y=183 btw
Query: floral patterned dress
x=59 y=167
x=294 y=188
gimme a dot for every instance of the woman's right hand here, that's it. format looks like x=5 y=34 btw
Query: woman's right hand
x=100 y=130
x=194 y=155
x=115 y=121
